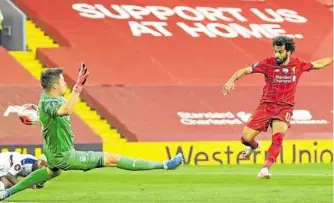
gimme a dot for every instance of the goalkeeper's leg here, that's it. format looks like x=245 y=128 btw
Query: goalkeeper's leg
x=38 y=176
x=132 y=164
x=81 y=160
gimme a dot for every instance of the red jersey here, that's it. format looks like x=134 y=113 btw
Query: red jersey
x=281 y=80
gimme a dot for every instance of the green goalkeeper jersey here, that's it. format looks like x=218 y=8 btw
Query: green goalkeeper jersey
x=56 y=130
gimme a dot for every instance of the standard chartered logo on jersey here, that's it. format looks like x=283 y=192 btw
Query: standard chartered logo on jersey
x=300 y=116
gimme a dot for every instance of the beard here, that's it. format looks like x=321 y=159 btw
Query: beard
x=281 y=61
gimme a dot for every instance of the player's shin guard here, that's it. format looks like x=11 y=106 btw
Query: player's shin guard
x=253 y=144
x=138 y=165
x=35 y=177
x=274 y=149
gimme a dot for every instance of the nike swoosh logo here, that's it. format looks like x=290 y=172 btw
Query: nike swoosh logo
x=134 y=163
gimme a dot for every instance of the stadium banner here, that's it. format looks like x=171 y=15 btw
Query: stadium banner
x=219 y=153
x=232 y=20
x=197 y=42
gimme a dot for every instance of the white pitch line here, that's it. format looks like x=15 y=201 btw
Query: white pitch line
x=236 y=173
x=41 y=201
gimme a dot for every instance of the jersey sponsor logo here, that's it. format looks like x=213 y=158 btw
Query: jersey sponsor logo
x=284 y=79
x=17 y=167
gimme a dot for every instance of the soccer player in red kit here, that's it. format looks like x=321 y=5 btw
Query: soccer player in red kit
x=282 y=73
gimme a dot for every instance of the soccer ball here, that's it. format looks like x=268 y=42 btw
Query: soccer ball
x=29 y=114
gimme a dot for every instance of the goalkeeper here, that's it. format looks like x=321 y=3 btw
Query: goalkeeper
x=58 y=145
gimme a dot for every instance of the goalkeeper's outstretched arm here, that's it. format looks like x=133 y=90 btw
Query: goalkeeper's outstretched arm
x=68 y=107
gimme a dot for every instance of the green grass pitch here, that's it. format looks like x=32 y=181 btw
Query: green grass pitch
x=310 y=183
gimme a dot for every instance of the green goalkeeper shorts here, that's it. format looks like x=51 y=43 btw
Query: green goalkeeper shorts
x=78 y=160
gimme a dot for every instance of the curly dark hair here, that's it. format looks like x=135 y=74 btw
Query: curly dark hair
x=287 y=41
x=49 y=76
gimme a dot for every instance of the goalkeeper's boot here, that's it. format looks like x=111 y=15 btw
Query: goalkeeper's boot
x=174 y=162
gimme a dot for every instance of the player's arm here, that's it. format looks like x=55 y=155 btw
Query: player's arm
x=229 y=85
x=13 y=171
x=240 y=73
x=68 y=107
x=5 y=183
x=11 y=178
x=321 y=63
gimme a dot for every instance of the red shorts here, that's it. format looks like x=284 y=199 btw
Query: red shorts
x=266 y=113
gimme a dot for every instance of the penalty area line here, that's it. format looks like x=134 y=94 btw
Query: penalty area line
x=248 y=173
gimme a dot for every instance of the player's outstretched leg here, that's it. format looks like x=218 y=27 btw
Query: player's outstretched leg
x=132 y=164
x=34 y=178
x=279 y=129
x=273 y=152
x=248 y=139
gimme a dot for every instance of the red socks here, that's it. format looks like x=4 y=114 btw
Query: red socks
x=274 y=149
x=253 y=144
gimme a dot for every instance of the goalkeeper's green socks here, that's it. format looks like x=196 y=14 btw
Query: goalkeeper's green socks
x=138 y=165
x=34 y=178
